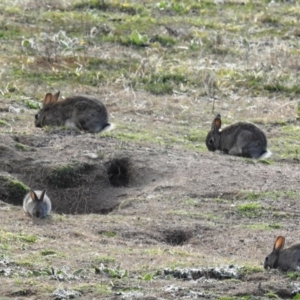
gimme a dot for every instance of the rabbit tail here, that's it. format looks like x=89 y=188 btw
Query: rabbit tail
x=266 y=154
x=107 y=127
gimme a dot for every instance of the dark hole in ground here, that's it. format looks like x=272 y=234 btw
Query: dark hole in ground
x=177 y=237
x=119 y=172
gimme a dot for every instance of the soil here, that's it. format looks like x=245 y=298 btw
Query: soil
x=179 y=205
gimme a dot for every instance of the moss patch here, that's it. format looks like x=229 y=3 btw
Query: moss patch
x=12 y=190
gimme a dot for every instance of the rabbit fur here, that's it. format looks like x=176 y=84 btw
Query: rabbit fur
x=240 y=139
x=283 y=259
x=37 y=204
x=84 y=112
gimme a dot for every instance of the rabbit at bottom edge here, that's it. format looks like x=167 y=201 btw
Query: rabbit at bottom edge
x=283 y=259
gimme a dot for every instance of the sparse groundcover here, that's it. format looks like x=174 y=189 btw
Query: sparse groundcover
x=226 y=272
x=142 y=210
x=67 y=176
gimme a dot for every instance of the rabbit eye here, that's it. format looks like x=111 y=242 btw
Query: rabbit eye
x=36 y=116
x=267 y=258
x=211 y=141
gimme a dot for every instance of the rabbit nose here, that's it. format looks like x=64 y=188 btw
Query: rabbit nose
x=266 y=262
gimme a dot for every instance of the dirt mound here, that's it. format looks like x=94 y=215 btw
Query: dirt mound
x=78 y=180
x=84 y=173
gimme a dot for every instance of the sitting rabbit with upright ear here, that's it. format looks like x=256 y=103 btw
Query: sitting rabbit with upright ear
x=240 y=139
x=84 y=112
x=37 y=204
x=283 y=259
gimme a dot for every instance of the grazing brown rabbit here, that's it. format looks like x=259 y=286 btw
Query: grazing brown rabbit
x=240 y=139
x=283 y=259
x=84 y=112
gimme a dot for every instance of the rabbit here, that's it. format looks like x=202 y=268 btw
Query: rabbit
x=240 y=139
x=84 y=112
x=283 y=259
x=37 y=204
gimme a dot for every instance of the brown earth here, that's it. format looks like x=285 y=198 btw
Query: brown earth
x=144 y=207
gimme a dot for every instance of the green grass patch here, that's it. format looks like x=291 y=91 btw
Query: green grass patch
x=161 y=84
x=103 y=259
x=196 y=135
x=47 y=252
x=108 y=233
x=164 y=41
x=251 y=209
x=100 y=289
x=32 y=104
x=21 y=147
x=264 y=226
x=294 y=275
x=265 y=161
x=271 y=295
x=273 y=195
x=247 y=270
x=19 y=237
x=126 y=7
x=3 y=123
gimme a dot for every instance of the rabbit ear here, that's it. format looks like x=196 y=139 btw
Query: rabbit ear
x=55 y=97
x=279 y=243
x=33 y=196
x=217 y=122
x=48 y=99
x=42 y=195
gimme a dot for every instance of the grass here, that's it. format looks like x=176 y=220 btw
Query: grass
x=109 y=233
x=137 y=16
x=260 y=226
x=189 y=138
x=273 y=195
x=105 y=259
x=97 y=288
x=6 y=237
x=3 y=123
x=164 y=69
x=21 y=147
x=47 y=252
x=251 y=209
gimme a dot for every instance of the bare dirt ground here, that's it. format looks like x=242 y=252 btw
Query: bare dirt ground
x=145 y=208
x=145 y=211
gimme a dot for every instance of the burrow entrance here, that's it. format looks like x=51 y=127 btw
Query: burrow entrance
x=73 y=188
